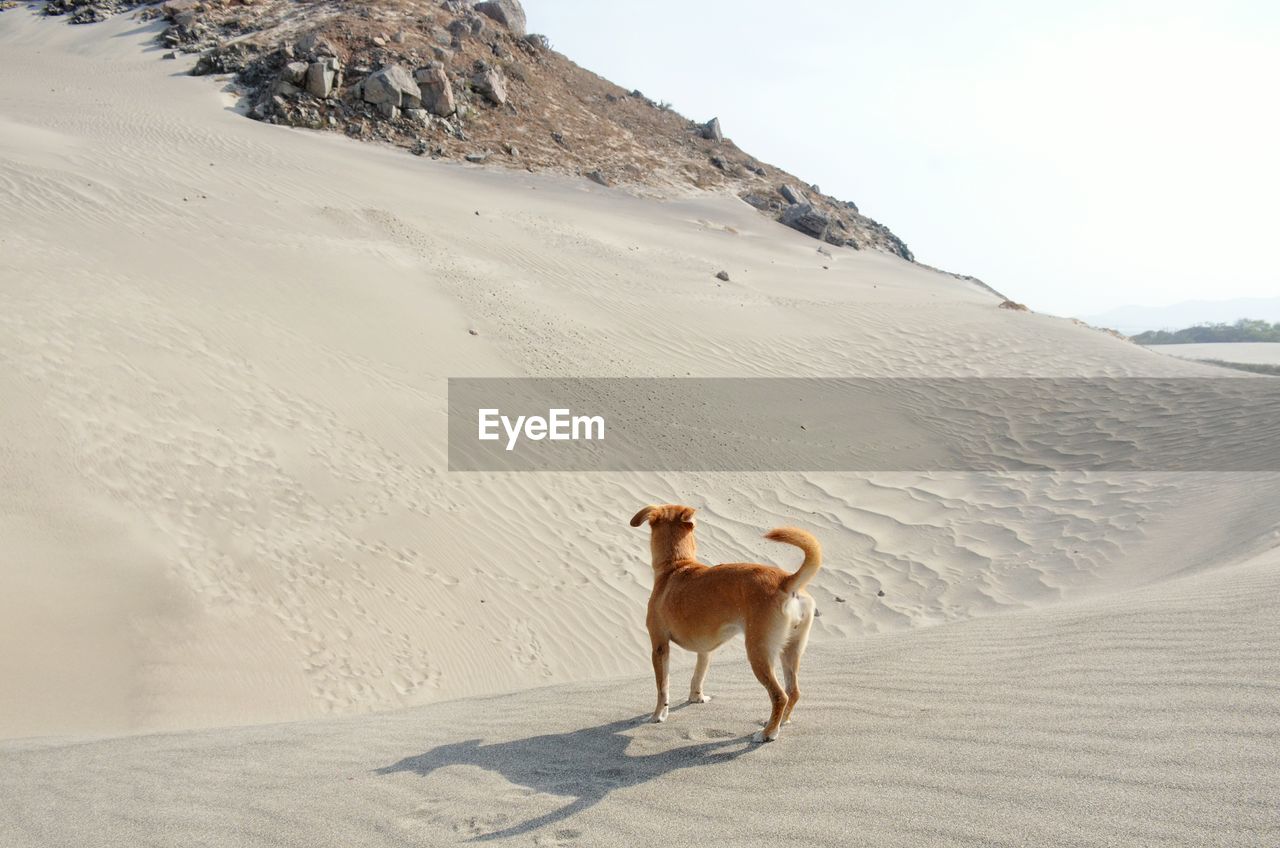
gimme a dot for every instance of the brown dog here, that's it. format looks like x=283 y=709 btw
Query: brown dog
x=700 y=608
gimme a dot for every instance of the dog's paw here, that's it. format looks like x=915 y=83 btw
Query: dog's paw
x=659 y=716
x=699 y=699
x=761 y=736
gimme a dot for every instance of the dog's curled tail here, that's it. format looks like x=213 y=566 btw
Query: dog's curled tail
x=812 y=555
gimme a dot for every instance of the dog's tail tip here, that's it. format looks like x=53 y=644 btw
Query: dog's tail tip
x=792 y=536
x=805 y=541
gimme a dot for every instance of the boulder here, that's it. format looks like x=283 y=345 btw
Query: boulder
x=393 y=85
x=489 y=82
x=313 y=44
x=711 y=130
x=434 y=90
x=509 y=13
x=320 y=77
x=295 y=73
x=793 y=194
x=807 y=219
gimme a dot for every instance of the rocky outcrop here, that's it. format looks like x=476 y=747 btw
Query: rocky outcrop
x=792 y=194
x=435 y=91
x=321 y=77
x=489 y=82
x=455 y=79
x=509 y=13
x=807 y=219
x=391 y=89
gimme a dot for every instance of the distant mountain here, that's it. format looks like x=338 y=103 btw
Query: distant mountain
x=1132 y=320
x=1243 y=330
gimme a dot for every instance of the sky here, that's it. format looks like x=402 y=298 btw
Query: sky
x=1076 y=156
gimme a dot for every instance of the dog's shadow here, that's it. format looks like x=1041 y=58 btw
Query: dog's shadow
x=585 y=765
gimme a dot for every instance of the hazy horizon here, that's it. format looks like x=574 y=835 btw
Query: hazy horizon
x=1078 y=158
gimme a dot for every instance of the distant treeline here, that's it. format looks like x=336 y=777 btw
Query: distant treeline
x=1244 y=330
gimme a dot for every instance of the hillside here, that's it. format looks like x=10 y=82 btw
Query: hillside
x=453 y=80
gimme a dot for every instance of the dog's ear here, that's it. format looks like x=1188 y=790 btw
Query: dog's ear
x=642 y=516
x=686 y=514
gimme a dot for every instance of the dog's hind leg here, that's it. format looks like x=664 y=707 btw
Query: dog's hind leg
x=791 y=653
x=696 y=695
x=661 y=663
x=761 y=652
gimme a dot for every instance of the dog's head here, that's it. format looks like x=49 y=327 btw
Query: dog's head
x=665 y=514
x=672 y=536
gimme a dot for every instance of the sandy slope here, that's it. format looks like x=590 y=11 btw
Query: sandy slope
x=1146 y=719
x=224 y=493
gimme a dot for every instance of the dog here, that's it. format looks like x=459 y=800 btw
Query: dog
x=701 y=607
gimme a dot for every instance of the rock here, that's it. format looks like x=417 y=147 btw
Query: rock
x=313 y=44
x=807 y=219
x=434 y=90
x=284 y=88
x=477 y=158
x=474 y=332
x=388 y=110
x=379 y=41
x=320 y=77
x=711 y=130
x=400 y=37
x=793 y=194
x=506 y=12
x=723 y=275
x=840 y=600
x=597 y=177
x=1014 y=305
x=418 y=116
x=392 y=85
x=295 y=73
x=489 y=82
x=512 y=150
x=172 y=8
x=170 y=55
x=759 y=201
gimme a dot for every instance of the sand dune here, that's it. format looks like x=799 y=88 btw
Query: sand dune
x=226 y=344
x=225 y=501
x=1145 y=719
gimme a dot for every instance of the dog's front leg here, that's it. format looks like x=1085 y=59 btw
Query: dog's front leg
x=661 y=662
